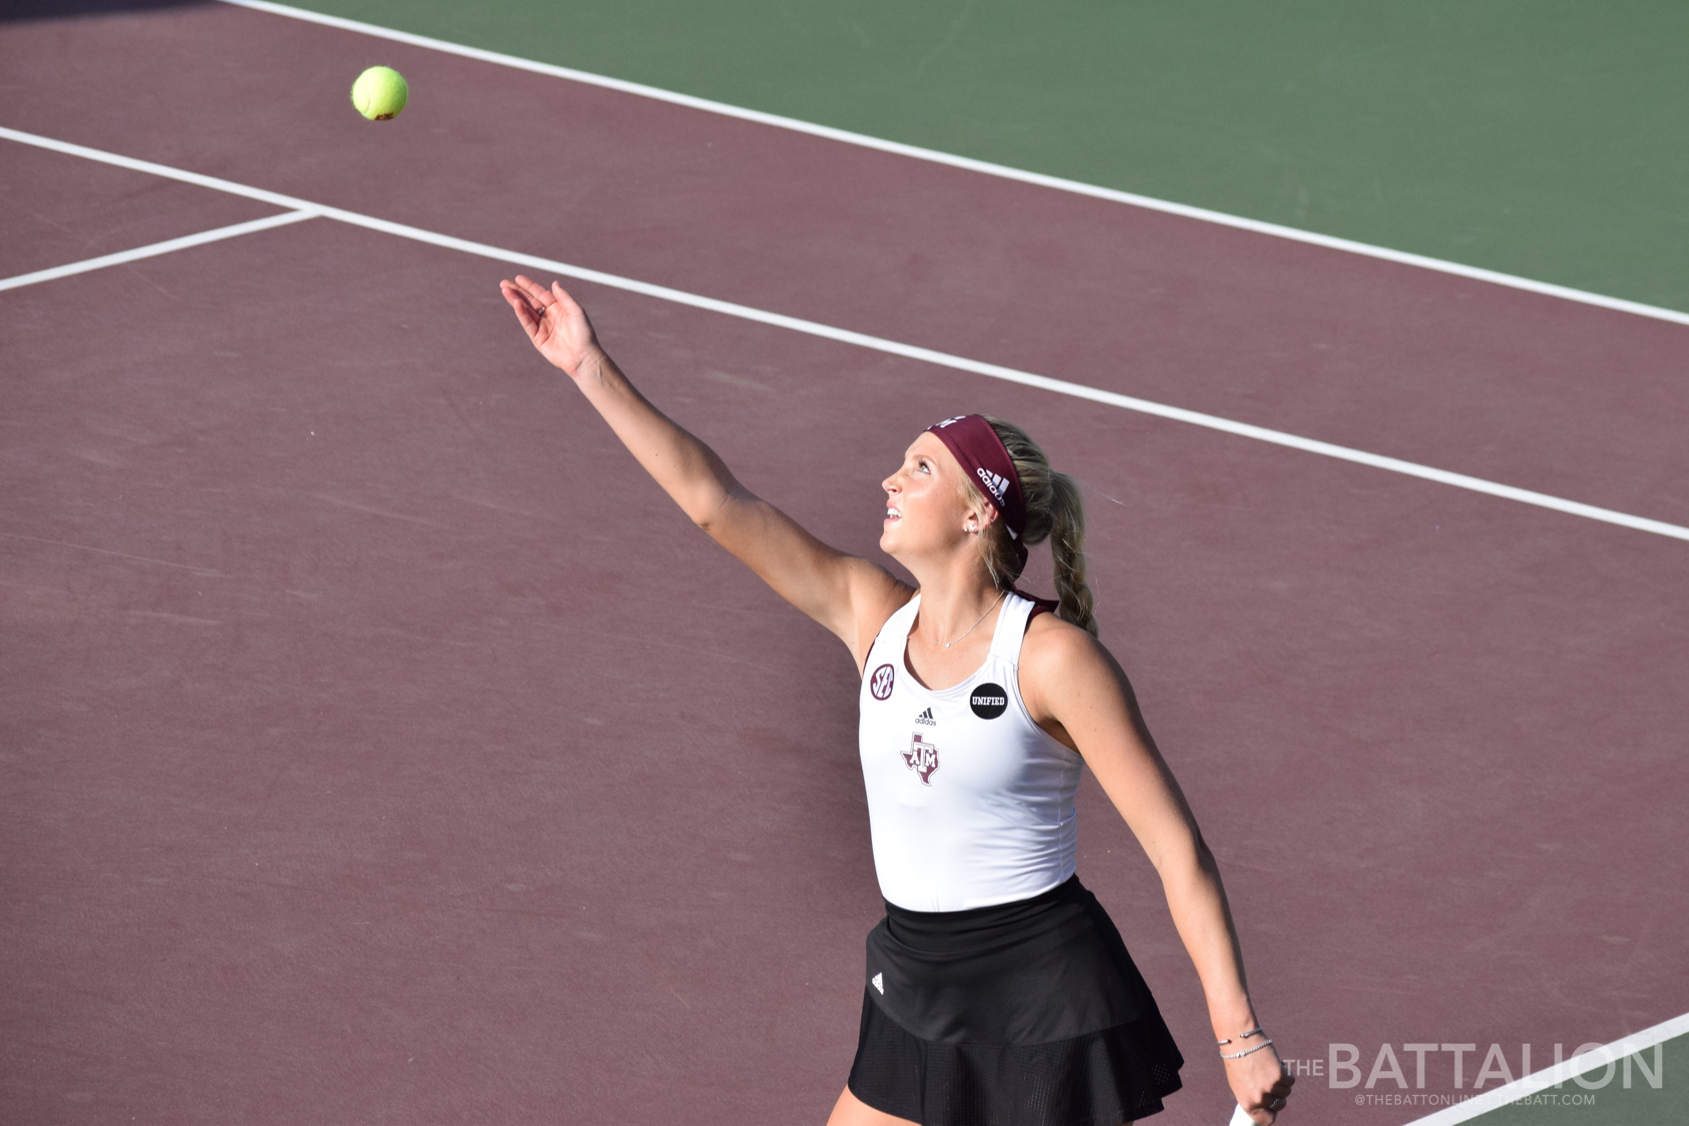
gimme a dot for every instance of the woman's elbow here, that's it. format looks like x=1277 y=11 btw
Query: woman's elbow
x=711 y=510
x=1185 y=859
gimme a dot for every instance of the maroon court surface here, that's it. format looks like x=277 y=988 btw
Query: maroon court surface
x=379 y=745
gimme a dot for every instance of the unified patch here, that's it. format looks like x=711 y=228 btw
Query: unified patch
x=988 y=700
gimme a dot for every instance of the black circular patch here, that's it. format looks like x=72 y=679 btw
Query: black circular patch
x=988 y=700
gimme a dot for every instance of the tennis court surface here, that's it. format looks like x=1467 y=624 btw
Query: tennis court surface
x=380 y=745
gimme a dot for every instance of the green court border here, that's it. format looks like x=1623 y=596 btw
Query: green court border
x=1206 y=215
x=1497 y=1106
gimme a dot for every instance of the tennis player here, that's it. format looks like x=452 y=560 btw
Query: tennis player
x=997 y=992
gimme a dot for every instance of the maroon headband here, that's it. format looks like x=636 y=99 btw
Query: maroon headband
x=985 y=459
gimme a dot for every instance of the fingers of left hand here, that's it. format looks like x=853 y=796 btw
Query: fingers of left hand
x=529 y=317
x=536 y=293
x=518 y=303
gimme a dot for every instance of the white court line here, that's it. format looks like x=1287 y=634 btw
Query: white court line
x=1002 y=171
x=157 y=248
x=1553 y=1076
x=876 y=343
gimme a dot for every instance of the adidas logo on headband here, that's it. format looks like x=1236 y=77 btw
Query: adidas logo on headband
x=997 y=485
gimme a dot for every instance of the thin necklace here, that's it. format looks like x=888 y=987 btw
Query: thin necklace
x=970 y=629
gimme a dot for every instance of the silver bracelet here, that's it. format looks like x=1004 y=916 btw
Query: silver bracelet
x=1256 y=1031
x=1247 y=1051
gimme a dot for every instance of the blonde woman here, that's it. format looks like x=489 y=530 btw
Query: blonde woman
x=997 y=990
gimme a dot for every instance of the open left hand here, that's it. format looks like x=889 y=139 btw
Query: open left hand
x=1261 y=1084
x=555 y=324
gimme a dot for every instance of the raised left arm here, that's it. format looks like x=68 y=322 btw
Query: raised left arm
x=1077 y=691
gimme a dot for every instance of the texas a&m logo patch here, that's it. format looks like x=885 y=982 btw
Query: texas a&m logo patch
x=922 y=758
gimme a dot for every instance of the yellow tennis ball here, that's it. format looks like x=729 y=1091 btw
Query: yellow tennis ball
x=380 y=93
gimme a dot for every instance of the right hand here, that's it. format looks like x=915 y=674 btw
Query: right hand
x=555 y=324
x=1261 y=1085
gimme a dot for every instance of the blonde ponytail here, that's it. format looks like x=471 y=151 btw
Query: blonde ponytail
x=1067 y=541
x=1054 y=511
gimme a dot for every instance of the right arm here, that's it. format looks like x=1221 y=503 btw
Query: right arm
x=849 y=596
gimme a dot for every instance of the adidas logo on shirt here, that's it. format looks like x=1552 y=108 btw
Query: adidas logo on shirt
x=926 y=718
x=879 y=981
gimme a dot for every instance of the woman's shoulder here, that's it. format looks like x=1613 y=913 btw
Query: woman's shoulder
x=1063 y=668
x=1045 y=629
x=1055 y=651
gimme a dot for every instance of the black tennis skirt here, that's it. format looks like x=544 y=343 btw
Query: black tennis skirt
x=1023 y=1014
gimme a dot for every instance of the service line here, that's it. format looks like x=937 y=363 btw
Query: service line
x=875 y=343
x=157 y=248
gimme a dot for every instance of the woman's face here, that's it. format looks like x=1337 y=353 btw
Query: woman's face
x=928 y=510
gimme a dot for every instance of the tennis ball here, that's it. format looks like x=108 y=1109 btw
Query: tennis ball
x=380 y=93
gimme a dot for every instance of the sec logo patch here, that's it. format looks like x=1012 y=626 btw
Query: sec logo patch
x=881 y=682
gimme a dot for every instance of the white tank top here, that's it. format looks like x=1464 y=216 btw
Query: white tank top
x=970 y=803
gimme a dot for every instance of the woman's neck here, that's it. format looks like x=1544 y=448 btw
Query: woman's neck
x=954 y=606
